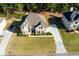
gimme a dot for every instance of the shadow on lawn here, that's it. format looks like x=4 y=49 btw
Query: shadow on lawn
x=57 y=21
x=16 y=24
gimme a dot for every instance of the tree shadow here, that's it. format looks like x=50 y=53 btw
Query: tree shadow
x=23 y=19
x=17 y=25
x=14 y=24
x=57 y=21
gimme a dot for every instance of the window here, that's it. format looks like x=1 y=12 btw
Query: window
x=74 y=26
x=76 y=22
x=28 y=27
x=28 y=30
x=38 y=31
x=40 y=27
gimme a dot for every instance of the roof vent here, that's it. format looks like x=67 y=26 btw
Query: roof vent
x=27 y=13
x=71 y=9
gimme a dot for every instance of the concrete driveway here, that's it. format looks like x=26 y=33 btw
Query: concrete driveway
x=7 y=36
x=60 y=49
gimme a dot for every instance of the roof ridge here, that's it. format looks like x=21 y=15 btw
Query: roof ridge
x=33 y=19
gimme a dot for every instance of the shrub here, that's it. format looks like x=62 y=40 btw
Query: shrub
x=48 y=33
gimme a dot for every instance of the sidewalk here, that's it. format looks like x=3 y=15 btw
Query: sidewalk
x=40 y=36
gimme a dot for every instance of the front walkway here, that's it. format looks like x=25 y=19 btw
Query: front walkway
x=7 y=36
x=40 y=36
x=60 y=49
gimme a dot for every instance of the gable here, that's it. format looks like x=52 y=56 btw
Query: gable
x=40 y=23
x=33 y=19
x=40 y=26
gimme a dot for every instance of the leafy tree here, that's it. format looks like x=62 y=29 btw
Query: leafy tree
x=10 y=8
x=19 y=6
x=26 y=7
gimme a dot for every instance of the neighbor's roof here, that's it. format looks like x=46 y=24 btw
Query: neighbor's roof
x=33 y=19
x=67 y=15
x=76 y=17
x=74 y=14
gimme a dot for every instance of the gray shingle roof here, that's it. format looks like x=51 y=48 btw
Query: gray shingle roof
x=67 y=15
x=33 y=19
x=74 y=14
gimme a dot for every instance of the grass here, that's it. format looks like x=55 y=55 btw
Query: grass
x=0 y=39
x=71 y=41
x=24 y=45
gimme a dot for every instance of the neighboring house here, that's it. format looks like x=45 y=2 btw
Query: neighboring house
x=2 y=25
x=33 y=23
x=71 y=20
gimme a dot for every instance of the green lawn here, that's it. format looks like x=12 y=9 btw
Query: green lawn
x=24 y=45
x=0 y=40
x=71 y=41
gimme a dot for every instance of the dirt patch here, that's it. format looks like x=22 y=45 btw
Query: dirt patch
x=56 y=14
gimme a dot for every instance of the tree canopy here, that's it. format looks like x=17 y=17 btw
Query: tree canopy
x=11 y=8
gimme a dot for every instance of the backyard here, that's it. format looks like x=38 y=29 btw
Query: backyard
x=70 y=40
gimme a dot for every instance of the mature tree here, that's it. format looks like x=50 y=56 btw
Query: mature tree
x=19 y=6
x=76 y=6
x=10 y=8
x=26 y=7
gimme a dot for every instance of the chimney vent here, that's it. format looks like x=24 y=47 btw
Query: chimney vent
x=71 y=9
